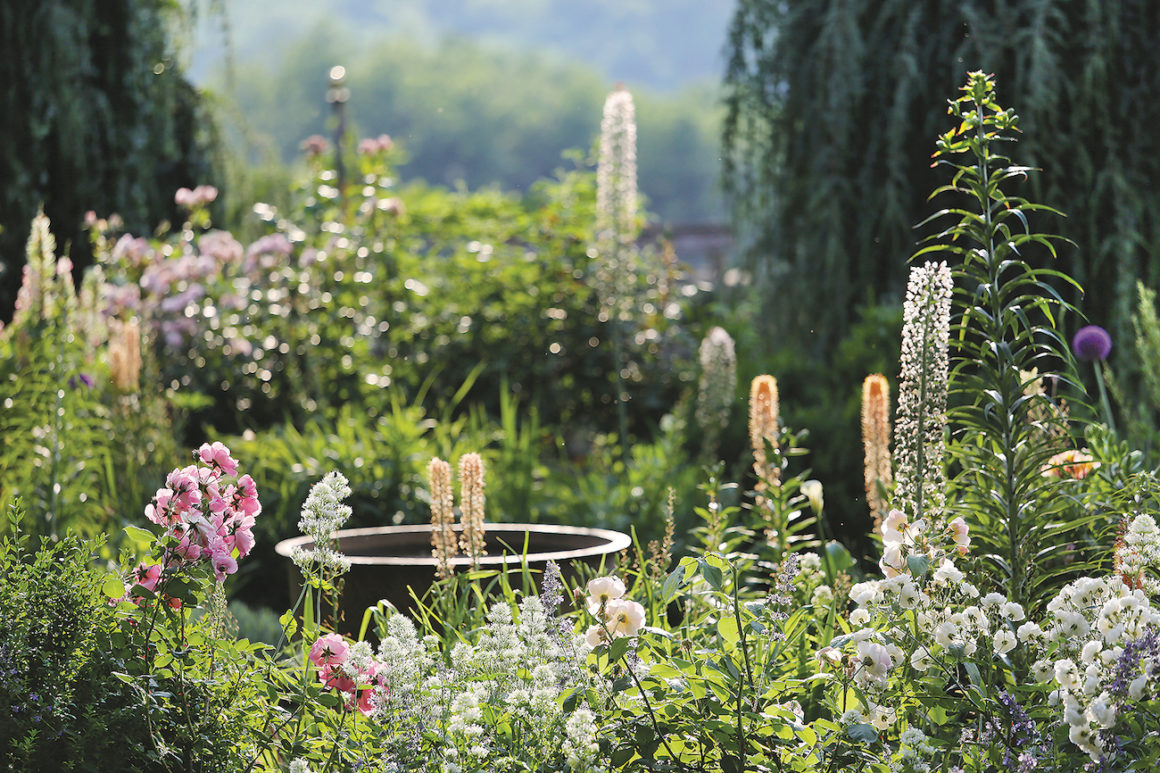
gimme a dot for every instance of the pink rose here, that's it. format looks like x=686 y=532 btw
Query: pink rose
x=147 y=575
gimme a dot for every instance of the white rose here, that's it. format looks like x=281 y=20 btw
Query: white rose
x=603 y=590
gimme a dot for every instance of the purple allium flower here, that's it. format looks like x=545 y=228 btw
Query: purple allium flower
x=1092 y=343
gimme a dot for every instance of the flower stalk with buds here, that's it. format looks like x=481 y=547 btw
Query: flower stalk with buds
x=443 y=542
x=471 y=505
x=879 y=473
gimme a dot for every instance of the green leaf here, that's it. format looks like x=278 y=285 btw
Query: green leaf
x=137 y=534
x=672 y=584
x=113 y=587
x=727 y=629
x=712 y=575
x=617 y=649
x=918 y=565
x=862 y=733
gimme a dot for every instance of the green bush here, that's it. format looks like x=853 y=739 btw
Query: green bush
x=58 y=698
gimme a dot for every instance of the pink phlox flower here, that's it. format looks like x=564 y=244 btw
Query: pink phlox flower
x=374 y=696
x=220 y=509
x=187 y=550
x=222 y=247
x=217 y=454
x=335 y=678
x=135 y=250
x=329 y=650
x=368 y=701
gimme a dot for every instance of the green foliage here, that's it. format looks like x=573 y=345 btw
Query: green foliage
x=97 y=116
x=1135 y=383
x=821 y=395
x=598 y=486
x=372 y=287
x=721 y=690
x=1004 y=427
x=54 y=426
x=59 y=701
x=826 y=103
x=78 y=447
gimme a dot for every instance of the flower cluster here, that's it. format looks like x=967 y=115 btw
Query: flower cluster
x=323 y=513
x=920 y=474
x=878 y=474
x=352 y=670
x=1081 y=654
x=369 y=146
x=616 y=616
x=510 y=675
x=207 y=519
x=1136 y=550
x=471 y=506
x=198 y=197
x=763 y=429
x=922 y=619
x=902 y=539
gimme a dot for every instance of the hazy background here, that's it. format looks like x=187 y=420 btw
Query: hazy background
x=480 y=92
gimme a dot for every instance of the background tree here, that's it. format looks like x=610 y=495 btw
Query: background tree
x=95 y=115
x=828 y=135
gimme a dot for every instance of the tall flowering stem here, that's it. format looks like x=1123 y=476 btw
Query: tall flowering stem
x=443 y=542
x=616 y=193
x=879 y=475
x=1006 y=326
x=471 y=506
x=920 y=483
x=717 y=386
x=616 y=229
x=764 y=436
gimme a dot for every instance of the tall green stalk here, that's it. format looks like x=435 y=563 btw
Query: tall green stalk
x=1007 y=312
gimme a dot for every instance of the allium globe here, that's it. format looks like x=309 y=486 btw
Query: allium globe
x=1092 y=344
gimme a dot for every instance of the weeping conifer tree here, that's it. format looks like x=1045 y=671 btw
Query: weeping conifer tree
x=95 y=114
x=829 y=113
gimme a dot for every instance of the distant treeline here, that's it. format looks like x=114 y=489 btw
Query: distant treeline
x=472 y=114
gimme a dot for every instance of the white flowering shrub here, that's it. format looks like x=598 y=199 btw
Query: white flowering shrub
x=495 y=702
x=1097 y=650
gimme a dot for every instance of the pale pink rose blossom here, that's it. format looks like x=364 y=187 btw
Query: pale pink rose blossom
x=603 y=590
x=329 y=650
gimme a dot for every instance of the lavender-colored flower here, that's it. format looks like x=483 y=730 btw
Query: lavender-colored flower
x=552 y=593
x=1092 y=344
